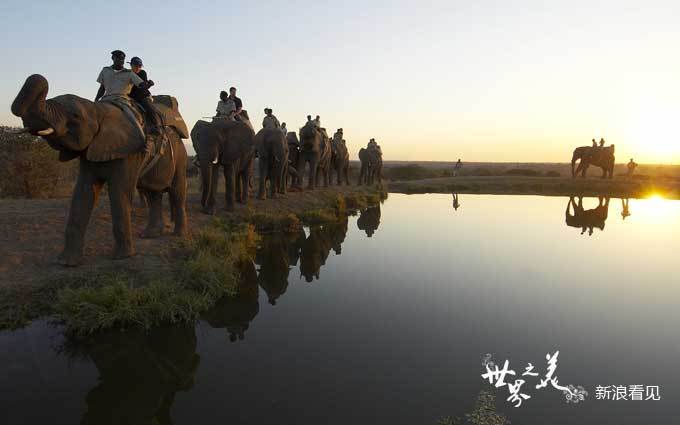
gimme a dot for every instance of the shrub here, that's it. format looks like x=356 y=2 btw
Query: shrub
x=29 y=168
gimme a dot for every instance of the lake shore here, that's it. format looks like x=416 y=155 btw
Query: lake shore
x=618 y=187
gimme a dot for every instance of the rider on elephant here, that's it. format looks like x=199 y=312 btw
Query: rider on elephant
x=594 y=143
x=284 y=129
x=116 y=82
x=270 y=121
x=225 y=107
x=337 y=137
x=237 y=103
x=143 y=96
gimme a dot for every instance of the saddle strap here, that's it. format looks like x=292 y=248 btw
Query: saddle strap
x=158 y=154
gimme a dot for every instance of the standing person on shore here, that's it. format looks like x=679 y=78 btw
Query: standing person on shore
x=457 y=167
x=631 y=168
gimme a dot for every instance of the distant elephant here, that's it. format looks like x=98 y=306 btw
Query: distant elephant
x=340 y=160
x=272 y=152
x=315 y=150
x=602 y=157
x=369 y=220
x=111 y=150
x=371 y=165
x=232 y=145
x=293 y=159
x=587 y=219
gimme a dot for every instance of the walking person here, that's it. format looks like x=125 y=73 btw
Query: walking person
x=457 y=167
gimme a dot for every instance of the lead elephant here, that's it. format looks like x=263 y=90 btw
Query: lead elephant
x=111 y=151
x=602 y=157
x=232 y=145
x=272 y=153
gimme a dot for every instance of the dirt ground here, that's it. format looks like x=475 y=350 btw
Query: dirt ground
x=32 y=233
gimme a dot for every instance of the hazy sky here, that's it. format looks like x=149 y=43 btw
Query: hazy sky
x=480 y=80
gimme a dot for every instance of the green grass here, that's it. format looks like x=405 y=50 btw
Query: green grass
x=266 y=222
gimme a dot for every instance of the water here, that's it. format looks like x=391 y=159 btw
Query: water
x=384 y=319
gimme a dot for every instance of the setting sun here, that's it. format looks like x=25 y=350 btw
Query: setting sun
x=653 y=134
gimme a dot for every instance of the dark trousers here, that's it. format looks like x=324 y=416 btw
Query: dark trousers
x=151 y=115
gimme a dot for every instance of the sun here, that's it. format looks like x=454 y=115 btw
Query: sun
x=653 y=135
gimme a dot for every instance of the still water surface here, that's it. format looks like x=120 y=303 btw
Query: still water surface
x=384 y=319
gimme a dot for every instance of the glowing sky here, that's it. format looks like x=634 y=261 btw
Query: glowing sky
x=480 y=80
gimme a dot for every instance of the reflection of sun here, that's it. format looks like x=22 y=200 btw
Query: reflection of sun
x=653 y=134
x=656 y=209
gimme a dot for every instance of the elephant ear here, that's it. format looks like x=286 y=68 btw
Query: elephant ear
x=118 y=137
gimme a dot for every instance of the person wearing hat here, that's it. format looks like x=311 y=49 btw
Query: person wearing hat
x=143 y=96
x=225 y=107
x=270 y=121
x=117 y=81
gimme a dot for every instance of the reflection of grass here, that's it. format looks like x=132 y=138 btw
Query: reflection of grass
x=484 y=413
x=207 y=272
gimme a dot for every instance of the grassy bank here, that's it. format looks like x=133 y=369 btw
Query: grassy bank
x=188 y=277
x=618 y=187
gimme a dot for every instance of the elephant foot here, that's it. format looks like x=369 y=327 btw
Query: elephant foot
x=70 y=260
x=208 y=210
x=151 y=232
x=274 y=195
x=122 y=253
x=180 y=232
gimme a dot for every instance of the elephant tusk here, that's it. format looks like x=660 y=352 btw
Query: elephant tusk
x=19 y=131
x=46 y=132
x=215 y=161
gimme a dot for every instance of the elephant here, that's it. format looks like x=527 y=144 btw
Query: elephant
x=274 y=256
x=111 y=150
x=602 y=157
x=587 y=219
x=272 y=152
x=232 y=145
x=340 y=161
x=315 y=150
x=293 y=159
x=369 y=220
x=371 y=165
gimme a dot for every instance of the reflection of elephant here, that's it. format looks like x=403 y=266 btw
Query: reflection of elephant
x=232 y=144
x=315 y=150
x=293 y=159
x=587 y=219
x=236 y=312
x=272 y=153
x=369 y=220
x=139 y=374
x=316 y=247
x=602 y=157
x=340 y=160
x=111 y=149
x=275 y=255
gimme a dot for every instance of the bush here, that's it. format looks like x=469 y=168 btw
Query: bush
x=523 y=172
x=29 y=168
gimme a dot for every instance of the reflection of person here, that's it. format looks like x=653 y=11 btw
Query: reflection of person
x=456 y=204
x=631 y=168
x=625 y=212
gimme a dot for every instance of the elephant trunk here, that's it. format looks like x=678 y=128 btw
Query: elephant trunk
x=39 y=116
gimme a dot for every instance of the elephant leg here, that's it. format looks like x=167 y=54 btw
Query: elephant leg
x=283 y=178
x=155 y=225
x=178 y=203
x=85 y=195
x=229 y=183
x=121 y=187
x=245 y=183
x=264 y=167
x=312 y=174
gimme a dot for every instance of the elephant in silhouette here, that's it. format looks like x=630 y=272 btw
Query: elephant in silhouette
x=272 y=153
x=111 y=148
x=236 y=312
x=602 y=157
x=314 y=252
x=230 y=144
x=293 y=159
x=371 y=165
x=340 y=160
x=139 y=373
x=586 y=219
x=369 y=220
x=315 y=149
